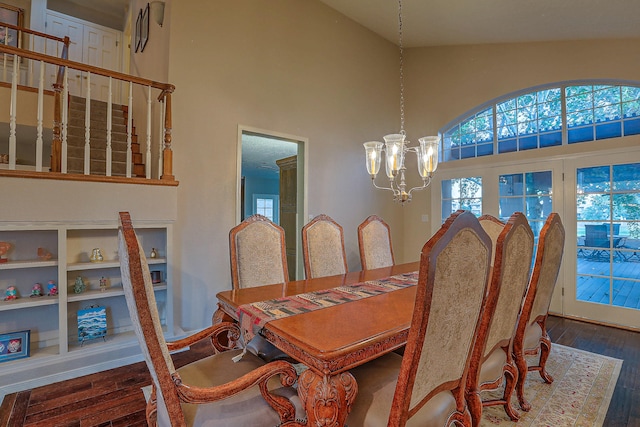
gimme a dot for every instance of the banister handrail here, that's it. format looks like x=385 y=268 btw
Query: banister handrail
x=30 y=31
x=84 y=67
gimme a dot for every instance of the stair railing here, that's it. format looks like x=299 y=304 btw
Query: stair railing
x=59 y=143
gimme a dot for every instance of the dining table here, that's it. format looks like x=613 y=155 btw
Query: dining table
x=332 y=334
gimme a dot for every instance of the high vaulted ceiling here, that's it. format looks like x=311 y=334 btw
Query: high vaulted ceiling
x=461 y=22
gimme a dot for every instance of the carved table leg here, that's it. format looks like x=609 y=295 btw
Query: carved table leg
x=327 y=399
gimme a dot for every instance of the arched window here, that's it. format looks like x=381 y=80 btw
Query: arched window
x=548 y=116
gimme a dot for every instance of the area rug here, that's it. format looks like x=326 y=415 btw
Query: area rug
x=579 y=395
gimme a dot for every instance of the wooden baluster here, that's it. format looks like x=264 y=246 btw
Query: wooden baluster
x=148 y=150
x=39 y=118
x=87 y=128
x=65 y=117
x=56 y=144
x=167 y=154
x=129 y=128
x=109 y=120
x=12 y=114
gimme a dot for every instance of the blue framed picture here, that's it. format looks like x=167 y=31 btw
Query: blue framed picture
x=15 y=345
x=92 y=323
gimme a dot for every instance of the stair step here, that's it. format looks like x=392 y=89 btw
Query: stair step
x=78 y=153
x=75 y=133
x=97 y=167
x=101 y=125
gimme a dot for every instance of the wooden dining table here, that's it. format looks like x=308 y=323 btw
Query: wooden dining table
x=332 y=340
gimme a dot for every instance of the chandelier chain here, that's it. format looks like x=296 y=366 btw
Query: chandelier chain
x=402 y=131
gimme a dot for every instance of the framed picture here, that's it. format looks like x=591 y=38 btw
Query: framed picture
x=14 y=16
x=144 y=30
x=92 y=323
x=15 y=345
x=138 y=31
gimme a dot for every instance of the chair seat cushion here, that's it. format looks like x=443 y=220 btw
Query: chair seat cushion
x=492 y=368
x=532 y=336
x=376 y=386
x=247 y=408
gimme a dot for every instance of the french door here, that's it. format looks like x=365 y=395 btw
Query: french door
x=602 y=260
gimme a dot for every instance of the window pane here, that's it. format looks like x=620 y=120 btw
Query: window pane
x=593 y=207
x=595 y=179
x=626 y=177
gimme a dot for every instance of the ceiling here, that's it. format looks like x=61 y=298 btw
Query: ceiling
x=456 y=22
x=259 y=155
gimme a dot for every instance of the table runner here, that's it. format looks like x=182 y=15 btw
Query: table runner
x=252 y=317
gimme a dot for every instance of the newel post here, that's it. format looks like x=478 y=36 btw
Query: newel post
x=167 y=154
x=56 y=144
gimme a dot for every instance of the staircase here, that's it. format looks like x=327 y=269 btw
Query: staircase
x=98 y=139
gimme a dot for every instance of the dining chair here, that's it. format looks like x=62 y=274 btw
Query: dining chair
x=426 y=386
x=323 y=248
x=493 y=227
x=510 y=274
x=211 y=391
x=531 y=333
x=374 y=242
x=258 y=253
x=258 y=257
x=596 y=236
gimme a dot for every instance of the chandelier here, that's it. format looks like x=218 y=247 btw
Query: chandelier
x=395 y=147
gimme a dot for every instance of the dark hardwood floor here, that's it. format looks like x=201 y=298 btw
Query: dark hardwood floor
x=113 y=398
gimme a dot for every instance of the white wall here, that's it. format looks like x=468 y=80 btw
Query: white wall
x=288 y=66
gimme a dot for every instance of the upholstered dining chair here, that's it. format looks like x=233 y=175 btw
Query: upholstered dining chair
x=374 y=242
x=493 y=227
x=426 y=386
x=531 y=334
x=323 y=248
x=210 y=391
x=510 y=274
x=258 y=253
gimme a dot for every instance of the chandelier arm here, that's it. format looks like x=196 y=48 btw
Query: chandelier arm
x=425 y=183
x=390 y=188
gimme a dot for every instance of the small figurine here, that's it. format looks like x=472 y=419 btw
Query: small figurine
x=36 y=291
x=52 y=288
x=79 y=286
x=103 y=284
x=4 y=248
x=154 y=253
x=96 y=255
x=44 y=254
x=11 y=293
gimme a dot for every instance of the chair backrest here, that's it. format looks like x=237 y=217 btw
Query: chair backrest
x=513 y=253
x=451 y=294
x=323 y=248
x=545 y=273
x=258 y=253
x=616 y=228
x=141 y=302
x=493 y=227
x=374 y=241
x=596 y=235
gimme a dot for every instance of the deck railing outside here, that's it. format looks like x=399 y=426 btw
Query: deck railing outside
x=105 y=145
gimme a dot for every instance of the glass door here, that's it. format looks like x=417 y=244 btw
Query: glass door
x=606 y=256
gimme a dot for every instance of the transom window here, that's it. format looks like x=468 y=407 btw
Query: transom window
x=537 y=119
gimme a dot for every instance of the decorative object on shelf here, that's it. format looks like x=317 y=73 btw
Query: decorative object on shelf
x=92 y=323
x=395 y=148
x=36 y=291
x=156 y=276
x=154 y=253
x=52 y=288
x=103 y=284
x=15 y=345
x=11 y=293
x=96 y=255
x=44 y=254
x=4 y=249
x=79 y=286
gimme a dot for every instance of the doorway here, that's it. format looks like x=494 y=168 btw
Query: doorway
x=271 y=182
